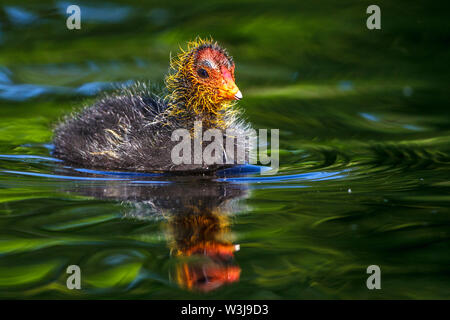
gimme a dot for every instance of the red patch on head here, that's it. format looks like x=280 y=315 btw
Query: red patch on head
x=214 y=56
x=226 y=73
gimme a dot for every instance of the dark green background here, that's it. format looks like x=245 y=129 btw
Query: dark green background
x=369 y=108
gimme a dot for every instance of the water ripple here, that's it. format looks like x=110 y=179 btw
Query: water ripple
x=22 y=92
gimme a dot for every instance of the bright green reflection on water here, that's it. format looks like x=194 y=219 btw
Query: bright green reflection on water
x=364 y=160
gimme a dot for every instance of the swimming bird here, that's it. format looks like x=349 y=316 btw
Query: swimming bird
x=132 y=128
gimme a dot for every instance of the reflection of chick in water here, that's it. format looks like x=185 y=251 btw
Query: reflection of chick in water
x=198 y=212
x=200 y=240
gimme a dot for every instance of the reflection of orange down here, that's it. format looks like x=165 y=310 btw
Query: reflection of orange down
x=206 y=257
x=196 y=211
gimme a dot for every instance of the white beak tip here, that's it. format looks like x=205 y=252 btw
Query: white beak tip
x=238 y=95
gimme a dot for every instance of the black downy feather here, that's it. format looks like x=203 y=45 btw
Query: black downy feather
x=127 y=130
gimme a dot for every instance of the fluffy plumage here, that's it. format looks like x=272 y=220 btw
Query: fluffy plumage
x=131 y=129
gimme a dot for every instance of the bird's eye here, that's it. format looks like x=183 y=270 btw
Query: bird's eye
x=202 y=73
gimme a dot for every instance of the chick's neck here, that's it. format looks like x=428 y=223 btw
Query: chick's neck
x=189 y=103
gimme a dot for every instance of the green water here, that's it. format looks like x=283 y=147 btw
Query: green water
x=364 y=160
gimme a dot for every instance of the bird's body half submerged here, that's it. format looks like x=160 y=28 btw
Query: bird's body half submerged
x=132 y=129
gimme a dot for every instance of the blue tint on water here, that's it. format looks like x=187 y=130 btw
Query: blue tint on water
x=311 y=176
x=238 y=174
x=56 y=176
x=369 y=116
x=245 y=169
x=20 y=16
x=118 y=173
x=5 y=73
x=28 y=157
x=105 y=13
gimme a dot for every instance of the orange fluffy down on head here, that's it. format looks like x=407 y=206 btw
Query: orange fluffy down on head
x=201 y=80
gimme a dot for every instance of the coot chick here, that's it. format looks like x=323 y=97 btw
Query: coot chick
x=132 y=128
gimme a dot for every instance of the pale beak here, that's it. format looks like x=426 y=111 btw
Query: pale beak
x=231 y=92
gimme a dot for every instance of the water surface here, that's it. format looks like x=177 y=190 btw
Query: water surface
x=364 y=160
